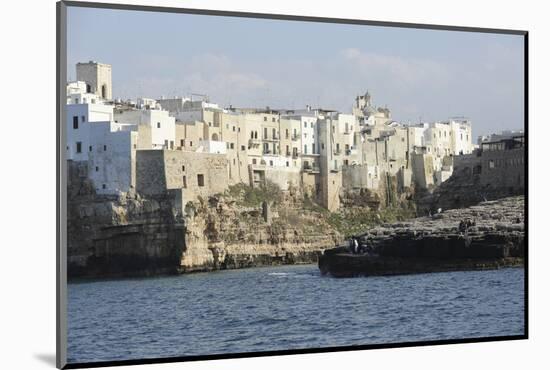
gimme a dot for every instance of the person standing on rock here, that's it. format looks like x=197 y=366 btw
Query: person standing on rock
x=356 y=242
x=351 y=245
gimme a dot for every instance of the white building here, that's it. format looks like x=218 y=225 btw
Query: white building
x=162 y=126
x=108 y=146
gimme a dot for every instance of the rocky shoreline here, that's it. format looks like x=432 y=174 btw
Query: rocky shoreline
x=431 y=244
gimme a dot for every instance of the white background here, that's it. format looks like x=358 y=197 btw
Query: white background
x=27 y=183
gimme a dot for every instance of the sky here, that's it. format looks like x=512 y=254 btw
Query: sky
x=426 y=75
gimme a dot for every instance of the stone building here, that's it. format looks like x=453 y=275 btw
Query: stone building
x=97 y=77
x=159 y=125
x=189 y=174
x=502 y=163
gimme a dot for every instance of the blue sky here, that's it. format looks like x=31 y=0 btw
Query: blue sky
x=418 y=74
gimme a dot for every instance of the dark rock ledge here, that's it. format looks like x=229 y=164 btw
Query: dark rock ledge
x=435 y=244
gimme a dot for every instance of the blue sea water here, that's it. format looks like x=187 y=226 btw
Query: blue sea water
x=281 y=308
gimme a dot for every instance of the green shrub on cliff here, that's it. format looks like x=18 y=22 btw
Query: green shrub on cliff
x=254 y=196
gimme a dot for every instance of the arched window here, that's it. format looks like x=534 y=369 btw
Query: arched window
x=215 y=137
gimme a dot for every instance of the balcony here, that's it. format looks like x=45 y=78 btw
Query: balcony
x=311 y=168
x=273 y=138
x=254 y=142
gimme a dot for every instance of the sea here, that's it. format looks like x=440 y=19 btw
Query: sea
x=285 y=308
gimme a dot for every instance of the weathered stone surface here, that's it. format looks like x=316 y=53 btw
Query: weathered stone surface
x=129 y=234
x=436 y=244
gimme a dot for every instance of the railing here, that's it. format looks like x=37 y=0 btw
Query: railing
x=310 y=168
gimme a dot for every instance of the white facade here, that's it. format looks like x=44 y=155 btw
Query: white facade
x=108 y=146
x=212 y=147
x=163 y=126
x=80 y=121
x=462 y=136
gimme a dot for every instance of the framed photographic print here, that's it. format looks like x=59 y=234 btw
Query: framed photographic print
x=236 y=184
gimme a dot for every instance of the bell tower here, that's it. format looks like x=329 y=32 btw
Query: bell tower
x=97 y=77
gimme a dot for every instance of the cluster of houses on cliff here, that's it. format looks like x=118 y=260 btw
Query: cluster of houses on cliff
x=196 y=148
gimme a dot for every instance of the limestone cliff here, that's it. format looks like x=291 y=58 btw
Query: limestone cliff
x=133 y=235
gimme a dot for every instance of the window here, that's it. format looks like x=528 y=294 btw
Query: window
x=181 y=142
x=171 y=144
x=83 y=118
x=265 y=132
x=272 y=119
x=491 y=163
x=253 y=160
x=184 y=182
x=190 y=143
x=305 y=149
x=234 y=162
x=104 y=148
x=135 y=146
x=311 y=125
x=265 y=119
x=90 y=148
x=243 y=147
x=233 y=128
x=271 y=163
x=158 y=124
x=287 y=164
x=312 y=148
x=183 y=168
x=200 y=179
x=286 y=133
x=209 y=124
x=232 y=146
x=305 y=124
x=75 y=122
x=166 y=144
x=322 y=146
x=104 y=186
x=79 y=147
x=274 y=133
x=96 y=169
x=337 y=147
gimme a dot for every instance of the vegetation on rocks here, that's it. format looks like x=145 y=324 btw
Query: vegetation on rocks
x=252 y=197
x=300 y=211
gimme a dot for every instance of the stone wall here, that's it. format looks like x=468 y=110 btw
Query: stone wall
x=503 y=167
x=119 y=235
x=475 y=180
x=198 y=174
